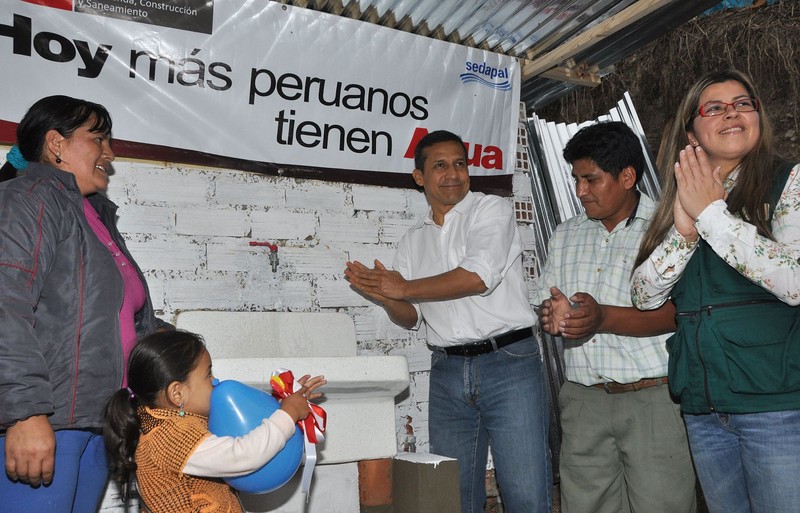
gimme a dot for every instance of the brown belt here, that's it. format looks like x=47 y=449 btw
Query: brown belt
x=612 y=387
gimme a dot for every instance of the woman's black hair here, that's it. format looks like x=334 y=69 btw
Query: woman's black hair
x=63 y=114
x=156 y=361
x=7 y=172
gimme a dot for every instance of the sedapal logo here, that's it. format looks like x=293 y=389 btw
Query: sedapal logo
x=486 y=75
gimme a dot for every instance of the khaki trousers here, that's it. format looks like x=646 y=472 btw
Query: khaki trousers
x=624 y=453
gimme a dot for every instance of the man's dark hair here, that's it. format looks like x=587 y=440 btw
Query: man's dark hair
x=612 y=145
x=432 y=138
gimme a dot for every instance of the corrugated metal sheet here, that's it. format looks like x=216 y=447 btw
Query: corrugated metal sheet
x=576 y=42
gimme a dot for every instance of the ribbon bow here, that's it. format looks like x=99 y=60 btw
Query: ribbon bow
x=284 y=385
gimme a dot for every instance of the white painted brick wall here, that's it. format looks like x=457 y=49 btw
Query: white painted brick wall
x=145 y=219
x=317 y=196
x=167 y=254
x=237 y=189
x=376 y=198
x=344 y=230
x=334 y=293
x=168 y=185
x=203 y=291
x=282 y=224
x=368 y=253
x=393 y=228
x=314 y=260
x=190 y=230
x=212 y=221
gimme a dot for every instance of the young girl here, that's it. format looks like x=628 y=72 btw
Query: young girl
x=157 y=427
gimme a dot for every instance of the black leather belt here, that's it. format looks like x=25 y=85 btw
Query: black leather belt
x=488 y=345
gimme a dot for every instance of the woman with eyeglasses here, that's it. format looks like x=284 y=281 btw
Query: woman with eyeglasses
x=725 y=247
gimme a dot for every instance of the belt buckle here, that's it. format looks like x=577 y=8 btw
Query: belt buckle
x=474 y=349
x=478 y=348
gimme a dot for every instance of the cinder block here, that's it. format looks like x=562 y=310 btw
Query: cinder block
x=281 y=224
x=348 y=230
x=316 y=196
x=227 y=223
x=337 y=293
x=425 y=483
x=171 y=186
x=145 y=219
x=379 y=198
x=393 y=228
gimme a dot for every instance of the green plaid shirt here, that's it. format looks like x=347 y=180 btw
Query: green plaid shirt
x=585 y=257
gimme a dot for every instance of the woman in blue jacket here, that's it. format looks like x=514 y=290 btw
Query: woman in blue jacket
x=72 y=303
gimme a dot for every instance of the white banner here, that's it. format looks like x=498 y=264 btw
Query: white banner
x=260 y=81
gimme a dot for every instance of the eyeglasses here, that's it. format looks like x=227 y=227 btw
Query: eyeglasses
x=710 y=109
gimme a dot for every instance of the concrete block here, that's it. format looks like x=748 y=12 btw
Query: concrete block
x=168 y=254
x=334 y=489
x=379 y=198
x=521 y=184
x=145 y=219
x=272 y=334
x=393 y=228
x=210 y=221
x=156 y=287
x=227 y=254
x=417 y=204
x=171 y=185
x=527 y=236
x=232 y=191
x=316 y=260
x=212 y=291
x=295 y=295
x=347 y=230
x=121 y=181
x=282 y=224
x=368 y=253
x=316 y=196
x=425 y=483
x=337 y=293
x=419 y=357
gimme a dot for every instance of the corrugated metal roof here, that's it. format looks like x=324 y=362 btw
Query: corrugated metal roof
x=562 y=44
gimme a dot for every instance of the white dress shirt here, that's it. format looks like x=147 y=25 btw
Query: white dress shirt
x=479 y=234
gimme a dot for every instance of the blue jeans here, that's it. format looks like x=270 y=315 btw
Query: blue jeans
x=747 y=463
x=78 y=480
x=496 y=398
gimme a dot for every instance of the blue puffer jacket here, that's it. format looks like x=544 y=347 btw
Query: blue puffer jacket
x=60 y=296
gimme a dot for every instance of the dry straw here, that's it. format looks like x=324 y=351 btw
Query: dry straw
x=762 y=41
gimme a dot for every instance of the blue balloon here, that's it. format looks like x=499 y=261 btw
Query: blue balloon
x=236 y=409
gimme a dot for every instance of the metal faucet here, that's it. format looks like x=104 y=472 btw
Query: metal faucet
x=273 y=253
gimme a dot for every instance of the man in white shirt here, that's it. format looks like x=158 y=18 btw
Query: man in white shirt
x=460 y=272
x=623 y=443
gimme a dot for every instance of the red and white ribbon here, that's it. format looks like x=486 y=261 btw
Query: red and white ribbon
x=313 y=426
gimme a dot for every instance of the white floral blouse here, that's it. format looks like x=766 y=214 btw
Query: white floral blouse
x=773 y=265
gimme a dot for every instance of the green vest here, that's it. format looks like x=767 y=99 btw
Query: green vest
x=736 y=348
